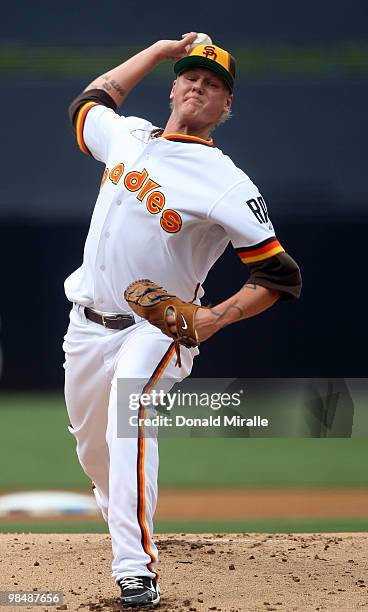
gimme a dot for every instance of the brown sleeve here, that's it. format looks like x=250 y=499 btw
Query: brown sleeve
x=279 y=272
x=92 y=95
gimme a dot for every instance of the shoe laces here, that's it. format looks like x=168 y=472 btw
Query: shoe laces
x=131 y=582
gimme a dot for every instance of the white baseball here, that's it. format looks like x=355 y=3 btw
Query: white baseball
x=200 y=39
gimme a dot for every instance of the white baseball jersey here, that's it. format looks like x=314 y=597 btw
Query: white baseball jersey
x=166 y=210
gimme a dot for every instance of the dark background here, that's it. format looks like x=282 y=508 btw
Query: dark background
x=299 y=129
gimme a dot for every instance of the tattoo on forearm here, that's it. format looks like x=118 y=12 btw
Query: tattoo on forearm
x=220 y=315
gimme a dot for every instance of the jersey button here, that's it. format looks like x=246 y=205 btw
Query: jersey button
x=107 y=234
x=118 y=202
x=103 y=268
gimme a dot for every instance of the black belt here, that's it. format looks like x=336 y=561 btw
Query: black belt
x=111 y=321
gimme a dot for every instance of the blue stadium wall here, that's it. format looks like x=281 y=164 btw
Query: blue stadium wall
x=299 y=129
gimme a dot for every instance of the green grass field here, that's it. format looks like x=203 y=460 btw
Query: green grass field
x=251 y=526
x=37 y=452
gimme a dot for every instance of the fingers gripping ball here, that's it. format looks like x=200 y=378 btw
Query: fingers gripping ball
x=200 y=39
x=154 y=304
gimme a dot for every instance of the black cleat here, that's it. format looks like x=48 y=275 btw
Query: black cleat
x=137 y=591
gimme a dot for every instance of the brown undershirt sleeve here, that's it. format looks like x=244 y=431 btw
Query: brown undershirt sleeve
x=279 y=272
x=92 y=95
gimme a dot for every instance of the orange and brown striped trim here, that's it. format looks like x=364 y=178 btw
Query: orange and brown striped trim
x=141 y=488
x=262 y=250
x=79 y=126
x=188 y=138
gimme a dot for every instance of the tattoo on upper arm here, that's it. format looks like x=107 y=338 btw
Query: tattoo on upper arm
x=112 y=84
x=108 y=85
x=117 y=88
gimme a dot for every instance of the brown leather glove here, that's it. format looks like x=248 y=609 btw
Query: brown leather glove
x=153 y=303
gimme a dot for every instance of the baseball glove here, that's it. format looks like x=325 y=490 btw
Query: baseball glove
x=154 y=303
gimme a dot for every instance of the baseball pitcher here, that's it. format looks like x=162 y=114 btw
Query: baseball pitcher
x=168 y=205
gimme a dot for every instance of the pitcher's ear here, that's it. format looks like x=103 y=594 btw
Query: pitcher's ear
x=172 y=90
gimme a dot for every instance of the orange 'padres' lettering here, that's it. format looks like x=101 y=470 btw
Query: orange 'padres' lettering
x=147 y=187
x=104 y=177
x=116 y=173
x=134 y=180
x=155 y=202
x=171 y=221
x=139 y=181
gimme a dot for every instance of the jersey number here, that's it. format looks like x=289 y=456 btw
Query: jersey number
x=259 y=209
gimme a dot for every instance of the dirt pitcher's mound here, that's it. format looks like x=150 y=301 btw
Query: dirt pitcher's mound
x=198 y=572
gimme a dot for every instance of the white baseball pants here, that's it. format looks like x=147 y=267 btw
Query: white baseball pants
x=124 y=470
